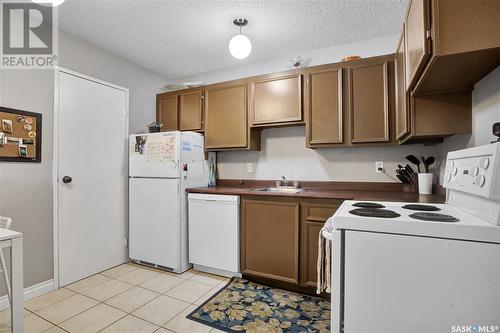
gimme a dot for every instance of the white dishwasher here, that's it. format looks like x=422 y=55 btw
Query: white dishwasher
x=214 y=233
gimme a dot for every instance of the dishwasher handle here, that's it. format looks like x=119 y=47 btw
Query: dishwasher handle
x=213 y=198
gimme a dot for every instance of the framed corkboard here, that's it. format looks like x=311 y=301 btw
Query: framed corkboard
x=20 y=136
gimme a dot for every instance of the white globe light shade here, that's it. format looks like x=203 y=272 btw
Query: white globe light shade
x=240 y=46
x=53 y=3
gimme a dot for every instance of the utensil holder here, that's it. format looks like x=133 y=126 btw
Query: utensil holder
x=425 y=183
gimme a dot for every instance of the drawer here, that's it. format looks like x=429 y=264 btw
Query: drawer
x=319 y=212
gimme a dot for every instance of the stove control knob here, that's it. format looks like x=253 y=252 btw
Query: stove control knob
x=454 y=171
x=484 y=163
x=475 y=171
x=449 y=176
x=480 y=181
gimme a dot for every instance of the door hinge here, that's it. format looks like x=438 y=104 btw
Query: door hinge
x=428 y=34
x=125 y=242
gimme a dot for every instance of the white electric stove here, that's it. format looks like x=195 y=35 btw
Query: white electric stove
x=412 y=267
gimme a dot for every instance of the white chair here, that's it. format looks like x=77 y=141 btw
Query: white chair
x=5 y=223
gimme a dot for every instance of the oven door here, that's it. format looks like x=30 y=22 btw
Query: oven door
x=397 y=283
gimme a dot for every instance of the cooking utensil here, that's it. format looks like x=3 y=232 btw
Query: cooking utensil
x=409 y=169
x=496 y=131
x=430 y=161
x=427 y=162
x=402 y=179
x=404 y=171
x=413 y=159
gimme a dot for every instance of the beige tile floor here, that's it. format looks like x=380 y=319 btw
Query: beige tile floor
x=125 y=299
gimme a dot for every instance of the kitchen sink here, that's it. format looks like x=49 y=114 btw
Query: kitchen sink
x=279 y=189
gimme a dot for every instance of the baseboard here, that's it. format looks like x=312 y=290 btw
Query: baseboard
x=216 y=271
x=30 y=292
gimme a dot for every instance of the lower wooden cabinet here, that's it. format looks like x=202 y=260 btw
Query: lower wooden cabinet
x=270 y=240
x=279 y=239
x=313 y=217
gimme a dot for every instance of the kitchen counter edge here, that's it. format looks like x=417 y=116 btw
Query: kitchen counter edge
x=312 y=193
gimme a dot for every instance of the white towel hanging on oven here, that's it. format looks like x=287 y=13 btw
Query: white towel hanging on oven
x=324 y=259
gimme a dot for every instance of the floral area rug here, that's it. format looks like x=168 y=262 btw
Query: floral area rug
x=243 y=306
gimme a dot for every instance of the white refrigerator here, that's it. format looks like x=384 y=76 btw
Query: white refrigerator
x=161 y=166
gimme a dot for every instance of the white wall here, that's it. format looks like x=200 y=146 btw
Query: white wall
x=26 y=188
x=81 y=56
x=365 y=49
x=284 y=153
x=485 y=112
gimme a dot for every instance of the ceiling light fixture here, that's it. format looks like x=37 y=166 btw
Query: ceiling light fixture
x=240 y=45
x=53 y=3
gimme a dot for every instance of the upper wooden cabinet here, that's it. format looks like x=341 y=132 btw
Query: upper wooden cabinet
x=167 y=111
x=369 y=102
x=417 y=39
x=424 y=119
x=276 y=100
x=191 y=111
x=270 y=239
x=402 y=110
x=226 y=115
x=464 y=44
x=324 y=106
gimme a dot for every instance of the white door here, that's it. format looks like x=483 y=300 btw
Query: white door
x=92 y=146
x=155 y=221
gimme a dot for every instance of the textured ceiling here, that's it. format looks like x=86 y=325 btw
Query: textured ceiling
x=182 y=38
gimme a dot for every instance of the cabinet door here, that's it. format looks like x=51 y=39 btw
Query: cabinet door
x=402 y=114
x=369 y=103
x=313 y=218
x=324 y=107
x=226 y=117
x=417 y=39
x=270 y=240
x=166 y=112
x=191 y=111
x=310 y=235
x=276 y=100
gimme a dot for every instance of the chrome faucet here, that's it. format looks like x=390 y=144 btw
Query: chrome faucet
x=284 y=180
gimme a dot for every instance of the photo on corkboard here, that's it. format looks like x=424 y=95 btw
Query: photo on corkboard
x=7 y=125
x=20 y=136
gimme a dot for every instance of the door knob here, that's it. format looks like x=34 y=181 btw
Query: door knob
x=67 y=179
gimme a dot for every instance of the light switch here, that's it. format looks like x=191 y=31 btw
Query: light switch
x=249 y=167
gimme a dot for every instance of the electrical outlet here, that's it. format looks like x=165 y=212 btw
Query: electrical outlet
x=379 y=167
x=249 y=167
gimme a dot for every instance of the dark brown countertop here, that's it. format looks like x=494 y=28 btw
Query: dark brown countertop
x=357 y=193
